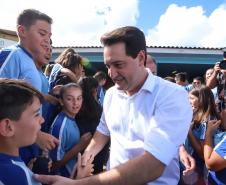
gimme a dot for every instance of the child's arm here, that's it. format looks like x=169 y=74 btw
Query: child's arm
x=70 y=74
x=46 y=141
x=212 y=159
x=83 y=143
x=81 y=171
x=196 y=144
x=187 y=160
x=212 y=81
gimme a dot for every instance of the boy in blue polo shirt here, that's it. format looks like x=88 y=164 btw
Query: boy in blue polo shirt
x=20 y=122
x=18 y=62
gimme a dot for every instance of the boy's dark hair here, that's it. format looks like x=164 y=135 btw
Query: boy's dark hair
x=133 y=38
x=181 y=76
x=16 y=96
x=199 y=78
x=28 y=17
x=100 y=75
x=67 y=86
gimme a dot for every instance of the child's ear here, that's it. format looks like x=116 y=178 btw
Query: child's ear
x=21 y=31
x=6 y=128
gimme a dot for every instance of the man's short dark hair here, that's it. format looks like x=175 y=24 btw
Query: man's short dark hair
x=28 y=17
x=133 y=38
x=100 y=75
x=199 y=78
x=182 y=76
x=16 y=96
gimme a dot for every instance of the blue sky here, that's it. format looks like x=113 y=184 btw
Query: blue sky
x=151 y=10
x=194 y=23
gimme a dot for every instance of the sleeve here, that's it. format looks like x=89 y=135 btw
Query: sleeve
x=169 y=125
x=58 y=131
x=102 y=127
x=64 y=141
x=11 y=66
x=202 y=131
x=19 y=176
x=52 y=77
x=221 y=148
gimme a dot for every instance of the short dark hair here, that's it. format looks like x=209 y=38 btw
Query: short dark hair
x=28 y=17
x=100 y=75
x=199 y=78
x=16 y=96
x=182 y=76
x=133 y=38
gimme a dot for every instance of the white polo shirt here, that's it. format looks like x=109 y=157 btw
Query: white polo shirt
x=156 y=119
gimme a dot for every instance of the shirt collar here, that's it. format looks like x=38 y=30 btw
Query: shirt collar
x=148 y=85
x=18 y=45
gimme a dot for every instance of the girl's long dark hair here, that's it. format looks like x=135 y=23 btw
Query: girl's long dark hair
x=206 y=105
x=91 y=109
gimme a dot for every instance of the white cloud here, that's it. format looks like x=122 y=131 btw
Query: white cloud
x=182 y=26
x=76 y=22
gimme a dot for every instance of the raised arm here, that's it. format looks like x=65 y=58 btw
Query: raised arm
x=212 y=81
x=213 y=160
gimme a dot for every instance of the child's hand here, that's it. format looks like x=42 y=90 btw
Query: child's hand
x=82 y=171
x=46 y=141
x=212 y=126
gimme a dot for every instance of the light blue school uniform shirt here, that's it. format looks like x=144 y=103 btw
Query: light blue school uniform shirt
x=156 y=119
x=100 y=94
x=13 y=171
x=199 y=132
x=66 y=130
x=219 y=177
x=52 y=77
x=44 y=90
x=17 y=63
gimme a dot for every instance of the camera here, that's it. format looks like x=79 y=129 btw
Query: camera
x=222 y=64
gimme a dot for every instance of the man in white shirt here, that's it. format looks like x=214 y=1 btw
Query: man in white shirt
x=146 y=118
